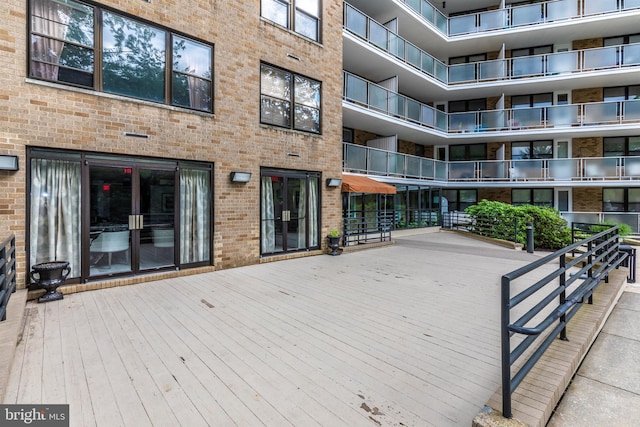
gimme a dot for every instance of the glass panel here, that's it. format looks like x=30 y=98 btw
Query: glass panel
x=492 y=20
x=110 y=206
x=462 y=122
x=562 y=9
x=462 y=24
x=413 y=55
x=356 y=22
x=493 y=169
x=396 y=163
x=467 y=198
x=413 y=166
x=355 y=158
x=563 y=169
x=396 y=45
x=133 y=58
x=614 y=146
x=632 y=167
x=543 y=197
x=562 y=115
x=427 y=64
x=378 y=98
x=427 y=168
x=520 y=196
x=631 y=4
x=441 y=71
x=275 y=112
x=542 y=150
x=599 y=6
x=307 y=119
x=562 y=62
x=462 y=170
x=55 y=212
x=523 y=15
x=276 y=11
x=632 y=110
x=192 y=74
x=378 y=35
x=306 y=25
x=634 y=146
x=274 y=82
x=462 y=73
x=157 y=206
x=413 y=110
x=527 y=66
x=195 y=215
x=600 y=168
x=633 y=203
x=527 y=117
x=527 y=169
x=492 y=119
x=600 y=112
x=631 y=54
x=378 y=161
x=562 y=151
x=62 y=42
x=312 y=7
x=356 y=89
x=307 y=92
x=478 y=152
x=613 y=199
x=296 y=204
x=600 y=58
x=563 y=200
x=428 y=116
x=493 y=69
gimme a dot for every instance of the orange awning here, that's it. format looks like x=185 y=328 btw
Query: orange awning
x=362 y=184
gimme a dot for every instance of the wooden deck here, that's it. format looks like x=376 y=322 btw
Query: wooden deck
x=403 y=335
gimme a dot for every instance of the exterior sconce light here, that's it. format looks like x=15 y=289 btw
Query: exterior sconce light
x=240 y=176
x=9 y=163
x=334 y=182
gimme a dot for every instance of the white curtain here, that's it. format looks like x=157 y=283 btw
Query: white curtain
x=313 y=212
x=195 y=196
x=55 y=212
x=267 y=216
x=302 y=214
x=51 y=19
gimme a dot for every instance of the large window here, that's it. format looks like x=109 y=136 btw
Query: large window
x=289 y=100
x=532 y=150
x=621 y=199
x=468 y=152
x=532 y=196
x=459 y=200
x=301 y=16
x=133 y=56
x=621 y=146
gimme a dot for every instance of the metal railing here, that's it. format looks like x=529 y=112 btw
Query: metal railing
x=507 y=228
x=374 y=161
x=553 y=305
x=372 y=227
x=543 y=65
x=517 y=16
x=7 y=273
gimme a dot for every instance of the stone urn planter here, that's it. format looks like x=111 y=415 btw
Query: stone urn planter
x=48 y=276
x=333 y=241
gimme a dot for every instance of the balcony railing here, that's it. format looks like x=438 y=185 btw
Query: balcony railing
x=368 y=160
x=517 y=16
x=575 y=61
x=384 y=101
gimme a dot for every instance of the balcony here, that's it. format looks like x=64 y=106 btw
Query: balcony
x=571 y=118
x=535 y=66
x=518 y=16
x=593 y=171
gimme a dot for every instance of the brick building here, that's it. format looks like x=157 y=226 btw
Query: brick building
x=168 y=137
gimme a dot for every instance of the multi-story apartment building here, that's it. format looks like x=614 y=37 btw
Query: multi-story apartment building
x=520 y=102
x=156 y=136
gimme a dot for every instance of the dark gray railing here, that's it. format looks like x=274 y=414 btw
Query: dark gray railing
x=366 y=229
x=553 y=306
x=7 y=273
x=507 y=228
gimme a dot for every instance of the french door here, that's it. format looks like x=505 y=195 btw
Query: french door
x=289 y=211
x=130 y=218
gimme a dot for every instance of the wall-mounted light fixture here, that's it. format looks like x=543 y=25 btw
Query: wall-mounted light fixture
x=334 y=182
x=9 y=163
x=240 y=176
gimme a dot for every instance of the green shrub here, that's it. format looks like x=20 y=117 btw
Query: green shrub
x=505 y=221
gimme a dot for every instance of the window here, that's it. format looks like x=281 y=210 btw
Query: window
x=468 y=152
x=301 y=16
x=532 y=196
x=621 y=146
x=289 y=100
x=467 y=105
x=532 y=150
x=528 y=101
x=621 y=199
x=133 y=58
x=459 y=200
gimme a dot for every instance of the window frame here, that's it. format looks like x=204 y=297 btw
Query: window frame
x=457 y=204
x=291 y=101
x=548 y=142
x=292 y=11
x=97 y=74
x=532 y=197
x=624 y=204
x=625 y=141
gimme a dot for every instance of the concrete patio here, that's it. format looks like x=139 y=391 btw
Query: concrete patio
x=400 y=335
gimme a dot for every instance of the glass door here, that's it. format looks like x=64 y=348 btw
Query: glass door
x=131 y=219
x=110 y=206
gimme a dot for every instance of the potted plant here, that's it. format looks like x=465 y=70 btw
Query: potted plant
x=333 y=241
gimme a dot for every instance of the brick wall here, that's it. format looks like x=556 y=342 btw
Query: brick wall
x=34 y=113
x=587 y=199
